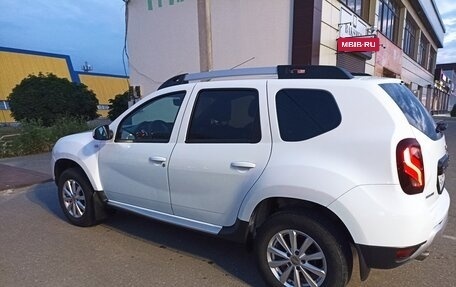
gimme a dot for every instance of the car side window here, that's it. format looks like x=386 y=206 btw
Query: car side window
x=225 y=116
x=306 y=113
x=152 y=121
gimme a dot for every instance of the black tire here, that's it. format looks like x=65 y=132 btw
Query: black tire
x=76 y=198
x=336 y=261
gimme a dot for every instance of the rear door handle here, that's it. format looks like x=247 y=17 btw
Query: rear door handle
x=157 y=159
x=243 y=164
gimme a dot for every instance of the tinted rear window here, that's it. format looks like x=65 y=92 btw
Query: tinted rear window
x=306 y=113
x=414 y=111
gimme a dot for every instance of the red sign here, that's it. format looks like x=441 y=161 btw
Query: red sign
x=358 y=44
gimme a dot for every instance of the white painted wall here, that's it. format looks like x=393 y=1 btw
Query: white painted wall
x=164 y=42
x=242 y=29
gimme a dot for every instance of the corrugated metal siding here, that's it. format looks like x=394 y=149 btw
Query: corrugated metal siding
x=104 y=86
x=5 y=117
x=351 y=62
x=17 y=66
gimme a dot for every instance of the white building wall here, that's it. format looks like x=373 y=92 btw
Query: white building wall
x=330 y=19
x=164 y=41
x=246 y=29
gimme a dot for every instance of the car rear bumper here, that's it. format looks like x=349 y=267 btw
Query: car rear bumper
x=387 y=257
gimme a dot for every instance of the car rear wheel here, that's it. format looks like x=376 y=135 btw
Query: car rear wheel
x=76 y=198
x=297 y=250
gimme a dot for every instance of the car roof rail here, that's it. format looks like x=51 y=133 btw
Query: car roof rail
x=282 y=72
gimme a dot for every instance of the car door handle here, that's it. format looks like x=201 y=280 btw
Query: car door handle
x=157 y=159
x=243 y=164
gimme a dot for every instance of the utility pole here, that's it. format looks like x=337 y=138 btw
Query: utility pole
x=205 y=35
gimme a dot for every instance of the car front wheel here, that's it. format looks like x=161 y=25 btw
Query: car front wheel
x=298 y=250
x=76 y=198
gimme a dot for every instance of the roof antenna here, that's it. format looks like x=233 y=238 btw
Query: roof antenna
x=246 y=61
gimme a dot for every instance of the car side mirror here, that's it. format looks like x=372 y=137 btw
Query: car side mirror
x=441 y=126
x=102 y=133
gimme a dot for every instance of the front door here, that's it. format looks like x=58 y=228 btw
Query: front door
x=223 y=151
x=133 y=167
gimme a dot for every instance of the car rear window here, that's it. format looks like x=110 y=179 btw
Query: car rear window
x=414 y=111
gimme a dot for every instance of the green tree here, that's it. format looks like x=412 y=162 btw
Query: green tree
x=118 y=105
x=47 y=98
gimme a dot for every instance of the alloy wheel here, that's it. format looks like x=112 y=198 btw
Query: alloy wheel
x=296 y=259
x=74 y=198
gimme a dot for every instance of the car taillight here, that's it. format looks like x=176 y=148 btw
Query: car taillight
x=410 y=166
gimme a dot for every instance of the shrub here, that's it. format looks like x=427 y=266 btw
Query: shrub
x=47 y=98
x=34 y=137
x=118 y=105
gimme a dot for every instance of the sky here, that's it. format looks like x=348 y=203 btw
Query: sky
x=447 y=9
x=86 y=30
x=93 y=30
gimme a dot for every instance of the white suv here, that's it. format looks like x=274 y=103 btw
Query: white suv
x=301 y=163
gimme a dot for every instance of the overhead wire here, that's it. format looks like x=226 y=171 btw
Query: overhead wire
x=126 y=56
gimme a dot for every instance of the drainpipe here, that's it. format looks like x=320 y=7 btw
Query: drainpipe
x=205 y=35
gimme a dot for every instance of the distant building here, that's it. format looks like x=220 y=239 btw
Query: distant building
x=166 y=38
x=445 y=94
x=17 y=64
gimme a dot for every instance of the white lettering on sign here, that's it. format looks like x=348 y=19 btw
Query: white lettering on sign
x=353 y=44
x=358 y=44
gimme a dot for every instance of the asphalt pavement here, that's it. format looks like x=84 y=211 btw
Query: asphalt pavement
x=38 y=247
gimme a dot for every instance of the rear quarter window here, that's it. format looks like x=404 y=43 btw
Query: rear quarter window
x=414 y=111
x=306 y=113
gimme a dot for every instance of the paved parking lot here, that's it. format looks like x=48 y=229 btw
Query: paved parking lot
x=39 y=248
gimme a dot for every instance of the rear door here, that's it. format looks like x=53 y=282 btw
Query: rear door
x=432 y=141
x=221 y=153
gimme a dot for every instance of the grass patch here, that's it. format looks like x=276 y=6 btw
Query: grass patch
x=32 y=137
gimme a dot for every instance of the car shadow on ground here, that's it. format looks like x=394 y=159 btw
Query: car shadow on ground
x=231 y=258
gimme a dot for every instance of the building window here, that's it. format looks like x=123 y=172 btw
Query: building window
x=360 y=7
x=388 y=18
x=432 y=59
x=422 y=49
x=409 y=37
x=4 y=105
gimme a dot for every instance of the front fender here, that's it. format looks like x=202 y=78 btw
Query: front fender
x=83 y=150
